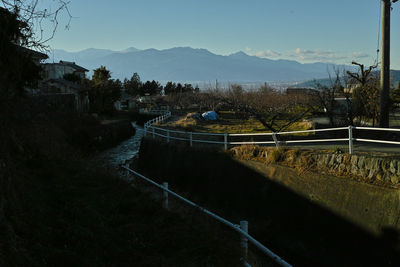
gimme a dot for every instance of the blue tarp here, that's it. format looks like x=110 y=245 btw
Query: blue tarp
x=210 y=116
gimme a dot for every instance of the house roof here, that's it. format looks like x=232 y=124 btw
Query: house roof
x=69 y=64
x=73 y=65
x=33 y=53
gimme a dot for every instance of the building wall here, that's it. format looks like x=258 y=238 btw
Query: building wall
x=57 y=71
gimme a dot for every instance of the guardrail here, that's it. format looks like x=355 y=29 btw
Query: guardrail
x=152 y=111
x=195 y=137
x=242 y=229
x=224 y=138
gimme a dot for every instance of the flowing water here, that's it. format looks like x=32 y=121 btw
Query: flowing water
x=117 y=156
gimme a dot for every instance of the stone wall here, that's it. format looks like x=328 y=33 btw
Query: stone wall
x=363 y=167
x=370 y=168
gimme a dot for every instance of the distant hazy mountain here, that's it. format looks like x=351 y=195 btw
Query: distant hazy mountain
x=394 y=76
x=185 y=64
x=87 y=55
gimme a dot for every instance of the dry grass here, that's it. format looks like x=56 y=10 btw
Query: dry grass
x=230 y=122
x=57 y=210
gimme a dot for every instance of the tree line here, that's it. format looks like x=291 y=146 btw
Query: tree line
x=104 y=91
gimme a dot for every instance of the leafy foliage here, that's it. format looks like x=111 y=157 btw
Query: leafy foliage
x=17 y=68
x=150 y=88
x=104 y=91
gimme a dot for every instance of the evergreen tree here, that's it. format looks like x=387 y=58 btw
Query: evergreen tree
x=133 y=85
x=17 y=69
x=104 y=91
x=187 y=88
x=100 y=76
x=170 y=88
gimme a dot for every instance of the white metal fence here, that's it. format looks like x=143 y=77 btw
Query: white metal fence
x=242 y=229
x=225 y=139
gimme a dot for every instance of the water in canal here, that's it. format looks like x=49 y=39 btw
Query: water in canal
x=126 y=150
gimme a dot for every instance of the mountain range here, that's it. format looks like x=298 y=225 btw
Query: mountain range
x=186 y=64
x=394 y=77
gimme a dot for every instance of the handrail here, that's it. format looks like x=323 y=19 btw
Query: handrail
x=235 y=227
x=167 y=114
x=377 y=129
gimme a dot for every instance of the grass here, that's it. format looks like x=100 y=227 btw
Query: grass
x=230 y=122
x=74 y=216
x=56 y=210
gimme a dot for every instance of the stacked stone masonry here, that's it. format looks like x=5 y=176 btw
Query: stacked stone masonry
x=370 y=168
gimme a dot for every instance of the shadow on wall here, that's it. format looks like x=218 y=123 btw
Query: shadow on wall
x=299 y=230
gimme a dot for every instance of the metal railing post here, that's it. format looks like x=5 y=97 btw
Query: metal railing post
x=127 y=173
x=167 y=136
x=244 y=225
x=191 y=139
x=153 y=132
x=275 y=140
x=165 y=196
x=242 y=229
x=226 y=141
x=350 y=139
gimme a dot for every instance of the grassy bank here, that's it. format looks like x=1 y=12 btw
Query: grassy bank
x=294 y=226
x=229 y=122
x=56 y=210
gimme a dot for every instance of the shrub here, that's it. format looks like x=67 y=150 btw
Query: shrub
x=276 y=155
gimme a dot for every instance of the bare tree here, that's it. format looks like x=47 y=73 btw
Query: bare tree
x=276 y=111
x=326 y=94
x=33 y=16
x=21 y=27
x=365 y=93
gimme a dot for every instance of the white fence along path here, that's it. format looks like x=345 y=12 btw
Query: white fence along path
x=197 y=137
x=242 y=229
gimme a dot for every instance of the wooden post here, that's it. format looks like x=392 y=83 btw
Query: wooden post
x=385 y=67
x=350 y=139
x=165 y=196
x=244 y=225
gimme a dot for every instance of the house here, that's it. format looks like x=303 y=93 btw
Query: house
x=62 y=86
x=59 y=70
x=36 y=56
x=65 y=78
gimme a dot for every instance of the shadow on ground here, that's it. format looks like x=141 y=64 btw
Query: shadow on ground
x=301 y=231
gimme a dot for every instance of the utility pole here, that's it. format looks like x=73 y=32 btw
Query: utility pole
x=385 y=65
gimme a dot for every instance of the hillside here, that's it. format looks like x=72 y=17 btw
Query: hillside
x=395 y=76
x=56 y=209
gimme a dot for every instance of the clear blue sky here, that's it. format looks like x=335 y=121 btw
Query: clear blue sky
x=336 y=31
